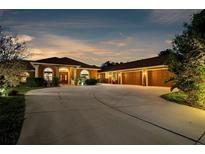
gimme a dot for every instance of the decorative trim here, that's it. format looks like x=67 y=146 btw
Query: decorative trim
x=76 y=66
x=140 y=69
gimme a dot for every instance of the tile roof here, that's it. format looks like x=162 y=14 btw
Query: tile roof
x=65 y=61
x=154 y=61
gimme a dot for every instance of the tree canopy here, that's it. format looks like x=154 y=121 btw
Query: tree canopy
x=187 y=60
x=109 y=63
x=12 y=52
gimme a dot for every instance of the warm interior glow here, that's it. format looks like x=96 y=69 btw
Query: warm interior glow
x=63 y=69
x=48 y=74
x=85 y=73
x=144 y=73
x=106 y=75
x=24 y=76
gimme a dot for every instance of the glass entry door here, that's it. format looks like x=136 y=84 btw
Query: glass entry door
x=63 y=77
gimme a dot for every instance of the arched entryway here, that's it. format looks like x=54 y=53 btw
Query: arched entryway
x=63 y=75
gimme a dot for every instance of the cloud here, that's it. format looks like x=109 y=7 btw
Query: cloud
x=136 y=50
x=124 y=42
x=168 y=41
x=2 y=12
x=39 y=53
x=70 y=44
x=171 y=16
x=50 y=45
x=127 y=49
x=56 y=24
x=24 y=38
x=118 y=43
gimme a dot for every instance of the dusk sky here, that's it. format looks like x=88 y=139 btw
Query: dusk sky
x=95 y=36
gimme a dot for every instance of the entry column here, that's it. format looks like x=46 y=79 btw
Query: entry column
x=74 y=73
x=144 y=78
x=120 y=78
x=36 y=70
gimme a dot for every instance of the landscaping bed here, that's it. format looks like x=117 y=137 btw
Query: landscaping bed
x=180 y=98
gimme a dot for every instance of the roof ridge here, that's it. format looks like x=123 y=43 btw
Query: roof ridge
x=153 y=61
x=64 y=60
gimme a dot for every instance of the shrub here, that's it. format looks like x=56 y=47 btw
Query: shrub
x=8 y=92
x=55 y=81
x=91 y=82
x=12 y=92
x=80 y=81
x=35 y=82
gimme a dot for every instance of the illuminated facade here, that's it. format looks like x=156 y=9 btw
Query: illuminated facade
x=66 y=69
x=146 y=72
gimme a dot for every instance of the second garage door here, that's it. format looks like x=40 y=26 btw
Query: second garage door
x=158 y=78
x=132 y=78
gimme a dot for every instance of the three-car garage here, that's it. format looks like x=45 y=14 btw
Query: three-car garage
x=152 y=77
x=145 y=72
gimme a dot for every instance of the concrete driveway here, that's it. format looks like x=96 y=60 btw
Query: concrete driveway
x=109 y=114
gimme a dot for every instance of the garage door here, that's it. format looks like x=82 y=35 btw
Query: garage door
x=132 y=78
x=103 y=79
x=158 y=78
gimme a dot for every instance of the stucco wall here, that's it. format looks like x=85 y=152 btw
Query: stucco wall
x=92 y=73
x=42 y=67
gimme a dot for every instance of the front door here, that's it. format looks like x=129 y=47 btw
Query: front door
x=63 y=77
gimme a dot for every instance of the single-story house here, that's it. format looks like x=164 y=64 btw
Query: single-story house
x=66 y=69
x=146 y=72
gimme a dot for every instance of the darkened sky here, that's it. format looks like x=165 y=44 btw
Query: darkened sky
x=95 y=36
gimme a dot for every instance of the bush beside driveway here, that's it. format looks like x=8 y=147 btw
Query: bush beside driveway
x=180 y=98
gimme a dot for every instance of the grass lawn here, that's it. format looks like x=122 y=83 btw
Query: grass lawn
x=11 y=118
x=12 y=110
x=178 y=97
x=24 y=89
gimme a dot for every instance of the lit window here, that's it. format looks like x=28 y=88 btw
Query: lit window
x=48 y=74
x=84 y=73
x=106 y=75
x=63 y=69
x=114 y=76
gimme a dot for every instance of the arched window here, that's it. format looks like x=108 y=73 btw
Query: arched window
x=85 y=73
x=48 y=74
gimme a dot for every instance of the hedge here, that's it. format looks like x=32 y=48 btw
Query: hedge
x=91 y=82
x=35 y=82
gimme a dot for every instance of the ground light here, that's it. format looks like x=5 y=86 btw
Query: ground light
x=3 y=91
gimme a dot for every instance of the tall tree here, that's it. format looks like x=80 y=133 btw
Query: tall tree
x=165 y=52
x=109 y=63
x=187 y=60
x=12 y=51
